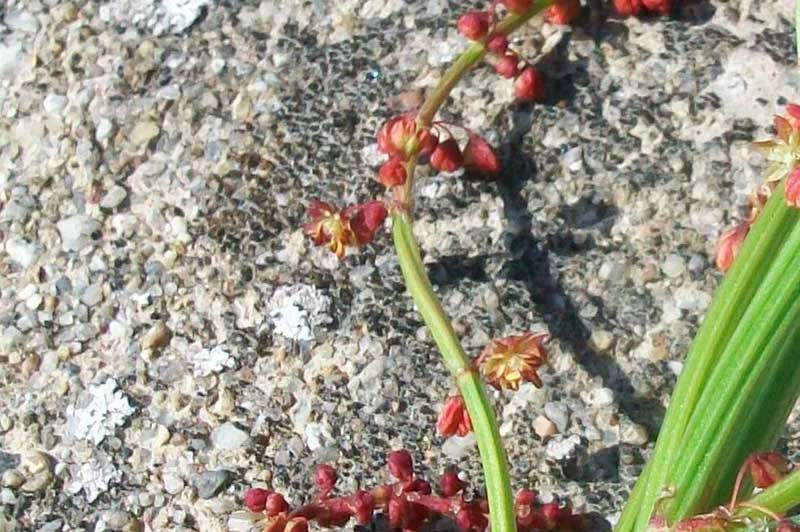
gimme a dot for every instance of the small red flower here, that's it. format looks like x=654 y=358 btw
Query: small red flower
x=255 y=499
x=628 y=8
x=517 y=6
x=729 y=243
x=792 y=189
x=447 y=156
x=454 y=418
x=474 y=25
x=393 y=173
x=563 y=12
x=401 y=137
x=362 y=506
x=529 y=85
x=767 y=468
x=480 y=157
x=507 y=66
x=658 y=7
x=401 y=465
x=509 y=361
x=497 y=44
x=353 y=226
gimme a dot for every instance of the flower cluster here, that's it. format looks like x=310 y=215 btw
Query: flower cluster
x=480 y=25
x=408 y=503
x=783 y=154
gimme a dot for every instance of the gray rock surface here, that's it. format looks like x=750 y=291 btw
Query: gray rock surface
x=156 y=161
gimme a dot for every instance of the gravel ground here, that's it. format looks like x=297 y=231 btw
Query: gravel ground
x=168 y=337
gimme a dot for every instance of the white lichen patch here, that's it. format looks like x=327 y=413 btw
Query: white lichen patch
x=106 y=409
x=296 y=310
x=208 y=361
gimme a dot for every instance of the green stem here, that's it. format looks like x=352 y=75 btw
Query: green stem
x=490 y=445
x=498 y=485
x=780 y=497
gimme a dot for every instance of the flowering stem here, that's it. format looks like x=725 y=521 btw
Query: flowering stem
x=498 y=485
x=490 y=446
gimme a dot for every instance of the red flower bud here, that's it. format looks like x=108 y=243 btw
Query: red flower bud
x=296 y=524
x=529 y=85
x=450 y=483
x=497 y=44
x=454 y=418
x=792 y=189
x=365 y=220
x=767 y=468
x=627 y=8
x=729 y=243
x=517 y=6
x=275 y=504
x=447 y=156
x=392 y=173
x=479 y=157
x=563 y=12
x=256 y=498
x=658 y=7
x=401 y=465
x=325 y=478
x=507 y=66
x=474 y=25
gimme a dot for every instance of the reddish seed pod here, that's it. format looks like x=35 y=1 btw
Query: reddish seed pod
x=325 y=478
x=767 y=468
x=479 y=157
x=275 y=504
x=729 y=243
x=447 y=156
x=507 y=66
x=517 y=6
x=365 y=220
x=450 y=484
x=529 y=85
x=563 y=12
x=497 y=44
x=454 y=418
x=392 y=173
x=256 y=498
x=628 y=8
x=474 y=25
x=362 y=505
x=658 y=7
x=401 y=465
x=792 y=188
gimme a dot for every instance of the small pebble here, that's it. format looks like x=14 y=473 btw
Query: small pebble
x=210 y=483
x=543 y=427
x=229 y=437
x=157 y=337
